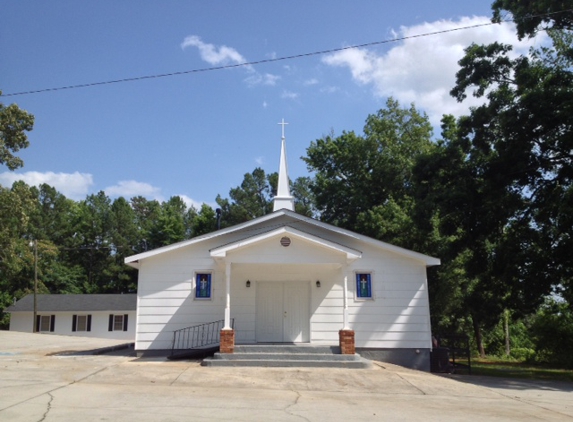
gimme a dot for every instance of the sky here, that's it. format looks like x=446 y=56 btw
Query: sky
x=196 y=132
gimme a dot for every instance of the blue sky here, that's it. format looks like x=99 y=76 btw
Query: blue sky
x=197 y=134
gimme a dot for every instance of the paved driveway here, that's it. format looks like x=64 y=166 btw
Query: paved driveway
x=36 y=385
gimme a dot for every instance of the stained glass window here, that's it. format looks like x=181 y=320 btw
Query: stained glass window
x=203 y=286
x=364 y=285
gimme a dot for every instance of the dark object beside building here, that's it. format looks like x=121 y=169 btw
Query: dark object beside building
x=451 y=354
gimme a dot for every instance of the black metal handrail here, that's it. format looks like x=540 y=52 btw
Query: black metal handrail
x=197 y=336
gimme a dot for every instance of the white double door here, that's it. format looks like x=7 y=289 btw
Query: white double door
x=282 y=314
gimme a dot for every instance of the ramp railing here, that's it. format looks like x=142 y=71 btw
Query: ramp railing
x=198 y=336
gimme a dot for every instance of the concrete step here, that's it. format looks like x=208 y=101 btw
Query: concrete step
x=296 y=355
x=289 y=348
x=283 y=363
x=286 y=356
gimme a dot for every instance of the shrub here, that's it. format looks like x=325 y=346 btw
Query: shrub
x=523 y=354
x=553 y=332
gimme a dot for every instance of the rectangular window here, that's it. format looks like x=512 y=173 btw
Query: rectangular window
x=117 y=322
x=45 y=323
x=81 y=323
x=202 y=286
x=364 y=285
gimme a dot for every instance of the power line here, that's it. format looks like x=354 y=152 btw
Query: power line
x=258 y=62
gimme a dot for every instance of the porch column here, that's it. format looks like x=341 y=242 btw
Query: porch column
x=227 y=344
x=228 y=297
x=345 y=309
x=346 y=335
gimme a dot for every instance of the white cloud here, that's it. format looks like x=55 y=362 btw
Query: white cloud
x=310 y=82
x=265 y=104
x=330 y=89
x=130 y=188
x=262 y=79
x=422 y=69
x=289 y=95
x=192 y=203
x=259 y=160
x=73 y=185
x=223 y=55
x=212 y=54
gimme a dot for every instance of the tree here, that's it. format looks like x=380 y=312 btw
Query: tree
x=169 y=227
x=501 y=182
x=359 y=181
x=14 y=123
x=553 y=333
x=533 y=16
x=472 y=211
x=16 y=206
x=125 y=237
x=52 y=219
x=303 y=197
x=526 y=127
x=252 y=199
x=91 y=244
x=205 y=221
x=146 y=216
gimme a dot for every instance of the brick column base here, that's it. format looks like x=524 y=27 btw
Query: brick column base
x=346 y=338
x=227 y=341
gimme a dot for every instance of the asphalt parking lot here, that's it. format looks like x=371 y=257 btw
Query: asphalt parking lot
x=52 y=378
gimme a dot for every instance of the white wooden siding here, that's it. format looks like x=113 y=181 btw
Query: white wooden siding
x=398 y=315
x=22 y=321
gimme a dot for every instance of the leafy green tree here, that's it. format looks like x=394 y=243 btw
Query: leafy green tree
x=16 y=206
x=91 y=244
x=303 y=196
x=553 y=334
x=252 y=199
x=205 y=221
x=170 y=224
x=124 y=240
x=189 y=221
x=146 y=216
x=472 y=209
x=525 y=126
x=14 y=123
x=533 y=16
x=359 y=181
x=52 y=219
x=501 y=181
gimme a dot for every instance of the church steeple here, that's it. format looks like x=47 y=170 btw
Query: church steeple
x=283 y=199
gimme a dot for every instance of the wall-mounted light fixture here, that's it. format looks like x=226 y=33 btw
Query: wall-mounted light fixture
x=317 y=283
x=248 y=283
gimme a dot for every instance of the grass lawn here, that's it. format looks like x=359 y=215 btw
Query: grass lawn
x=500 y=368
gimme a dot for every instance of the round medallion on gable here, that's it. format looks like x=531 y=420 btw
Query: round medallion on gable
x=285 y=241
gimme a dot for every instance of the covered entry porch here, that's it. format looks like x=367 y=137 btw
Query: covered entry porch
x=285 y=287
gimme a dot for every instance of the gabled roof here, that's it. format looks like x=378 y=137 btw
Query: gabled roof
x=428 y=260
x=221 y=251
x=76 y=303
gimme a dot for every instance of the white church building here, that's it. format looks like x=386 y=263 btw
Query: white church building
x=287 y=278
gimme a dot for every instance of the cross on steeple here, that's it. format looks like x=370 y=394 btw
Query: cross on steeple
x=283 y=124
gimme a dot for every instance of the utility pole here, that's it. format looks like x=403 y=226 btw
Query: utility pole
x=34 y=243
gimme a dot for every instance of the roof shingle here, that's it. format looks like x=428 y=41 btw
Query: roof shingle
x=76 y=303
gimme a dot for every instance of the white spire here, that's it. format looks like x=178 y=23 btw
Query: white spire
x=283 y=199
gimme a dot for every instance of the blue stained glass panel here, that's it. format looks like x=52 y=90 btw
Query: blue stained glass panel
x=203 y=286
x=363 y=285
